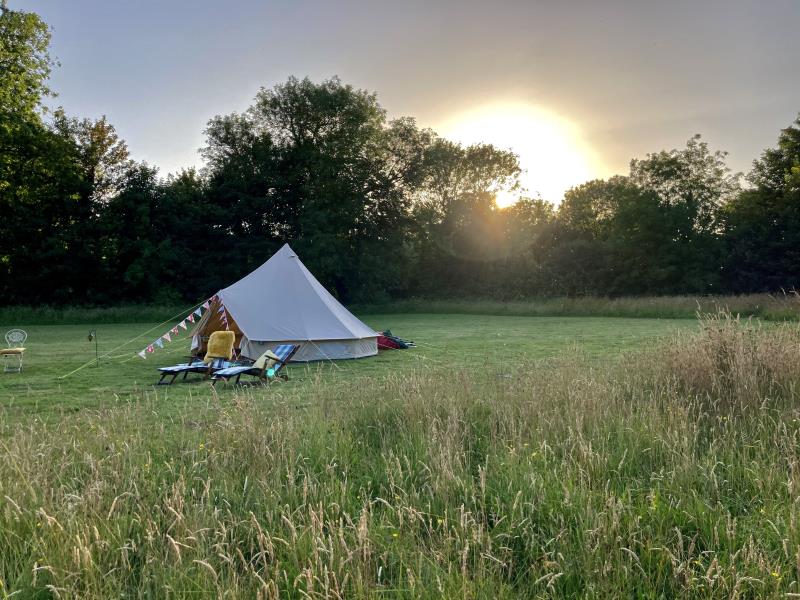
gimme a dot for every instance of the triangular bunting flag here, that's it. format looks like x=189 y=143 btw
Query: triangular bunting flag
x=142 y=354
x=150 y=348
x=159 y=343
x=198 y=312
x=166 y=337
x=182 y=324
x=174 y=330
x=190 y=318
x=206 y=304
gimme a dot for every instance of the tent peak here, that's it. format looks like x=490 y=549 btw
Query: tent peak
x=286 y=248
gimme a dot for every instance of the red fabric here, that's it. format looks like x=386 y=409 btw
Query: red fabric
x=384 y=343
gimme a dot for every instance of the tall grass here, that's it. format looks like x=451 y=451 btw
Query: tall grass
x=769 y=307
x=671 y=473
x=772 y=307
x=75 y=315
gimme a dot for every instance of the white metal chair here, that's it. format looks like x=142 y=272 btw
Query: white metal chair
x=12 y=355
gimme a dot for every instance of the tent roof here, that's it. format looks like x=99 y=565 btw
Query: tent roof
x=282 y=300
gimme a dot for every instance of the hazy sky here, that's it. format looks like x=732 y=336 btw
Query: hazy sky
x=627 y=78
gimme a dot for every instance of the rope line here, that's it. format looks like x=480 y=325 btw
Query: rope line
x=141 y=335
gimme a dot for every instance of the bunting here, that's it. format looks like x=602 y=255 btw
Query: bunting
x=224 y=316
x=175 y=330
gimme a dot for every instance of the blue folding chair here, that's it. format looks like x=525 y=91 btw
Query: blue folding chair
x=268 y=367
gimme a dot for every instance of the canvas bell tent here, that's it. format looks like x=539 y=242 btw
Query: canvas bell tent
x=282 y=302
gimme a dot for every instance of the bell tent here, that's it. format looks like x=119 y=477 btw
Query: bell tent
x=282 y=302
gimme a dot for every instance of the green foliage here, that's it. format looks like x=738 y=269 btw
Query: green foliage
x=763 y=223
x=24 y=64
x=377 y=208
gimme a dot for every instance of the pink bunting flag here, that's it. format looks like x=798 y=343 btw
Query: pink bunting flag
x=174 y=330
x=182 y=324
x=206 y=305
x=150 y=348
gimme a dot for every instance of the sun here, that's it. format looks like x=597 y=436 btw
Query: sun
x=552 y=154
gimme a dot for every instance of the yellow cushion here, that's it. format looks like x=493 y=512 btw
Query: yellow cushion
x=12 y=350
x=220 y=345
x=261 y=362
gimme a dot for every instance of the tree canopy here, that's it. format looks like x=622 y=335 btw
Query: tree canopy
x=377 y=207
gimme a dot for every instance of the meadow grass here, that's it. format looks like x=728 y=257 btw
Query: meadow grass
x=671 y=470
x=782 y=306
x=771 y=307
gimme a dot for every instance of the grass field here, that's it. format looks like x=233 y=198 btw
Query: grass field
x=506 y=457
x=445 y=341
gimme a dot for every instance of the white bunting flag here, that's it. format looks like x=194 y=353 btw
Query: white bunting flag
x=198 y=312
x=142 y=354
x=167 y=337
x=182 y=324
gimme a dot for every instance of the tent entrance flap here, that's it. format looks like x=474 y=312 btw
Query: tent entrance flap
x=210 y=322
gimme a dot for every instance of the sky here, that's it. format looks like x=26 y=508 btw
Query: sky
x=577 y=88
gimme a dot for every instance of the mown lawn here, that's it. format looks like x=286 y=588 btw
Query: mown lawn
x=479 y=342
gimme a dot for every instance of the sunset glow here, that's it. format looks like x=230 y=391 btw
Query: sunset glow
x=552 y=153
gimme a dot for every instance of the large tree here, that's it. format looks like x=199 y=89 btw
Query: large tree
x=24 y=63
x=763 y=222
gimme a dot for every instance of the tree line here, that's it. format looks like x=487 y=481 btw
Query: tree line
x=376 y=207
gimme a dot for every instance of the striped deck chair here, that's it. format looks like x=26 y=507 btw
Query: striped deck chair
x=218 y=356
x=268 y=367
x=196 y=366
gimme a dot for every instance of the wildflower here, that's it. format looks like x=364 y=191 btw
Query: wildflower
x=761 y=510
x=776 y=575
x=201 y=446
x=526 y=444
x=395 y=534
